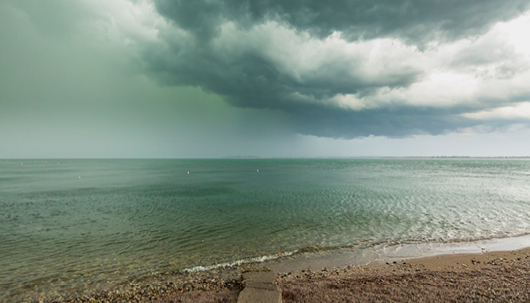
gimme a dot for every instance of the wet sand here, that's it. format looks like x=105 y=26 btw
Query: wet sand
x=500 y=276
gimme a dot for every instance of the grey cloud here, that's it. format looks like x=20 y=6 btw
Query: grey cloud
x=510 y=69
x=507 y=61
x=393 y=122
x=254 y=83
x=415 y=20
x=250 y=79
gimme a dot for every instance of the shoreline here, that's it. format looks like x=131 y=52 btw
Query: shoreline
x=305 y=269
x=388 y=253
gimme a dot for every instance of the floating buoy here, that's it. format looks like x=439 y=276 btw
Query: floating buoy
x=257 y=170
x=188 y=173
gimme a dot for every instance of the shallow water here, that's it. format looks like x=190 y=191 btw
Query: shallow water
x=69 y=224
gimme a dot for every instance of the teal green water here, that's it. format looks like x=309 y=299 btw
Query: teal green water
x=75 y=223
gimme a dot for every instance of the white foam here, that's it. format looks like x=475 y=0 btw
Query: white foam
x=239 y=262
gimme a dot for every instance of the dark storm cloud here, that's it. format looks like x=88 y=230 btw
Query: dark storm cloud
x=389 y=122
x=253 y=81
x=253 y=74
x=416 y=20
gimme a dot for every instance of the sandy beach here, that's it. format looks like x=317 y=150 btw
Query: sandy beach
x=492 y=276
x=499 y=276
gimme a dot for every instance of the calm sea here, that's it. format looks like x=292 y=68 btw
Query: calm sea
x=72 y=223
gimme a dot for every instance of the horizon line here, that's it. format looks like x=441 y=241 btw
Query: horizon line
x=271 y=157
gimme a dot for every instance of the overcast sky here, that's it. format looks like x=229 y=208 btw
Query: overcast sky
x=305 y=78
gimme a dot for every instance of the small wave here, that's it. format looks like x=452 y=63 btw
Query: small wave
x=361 y=245
x=240 y=262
